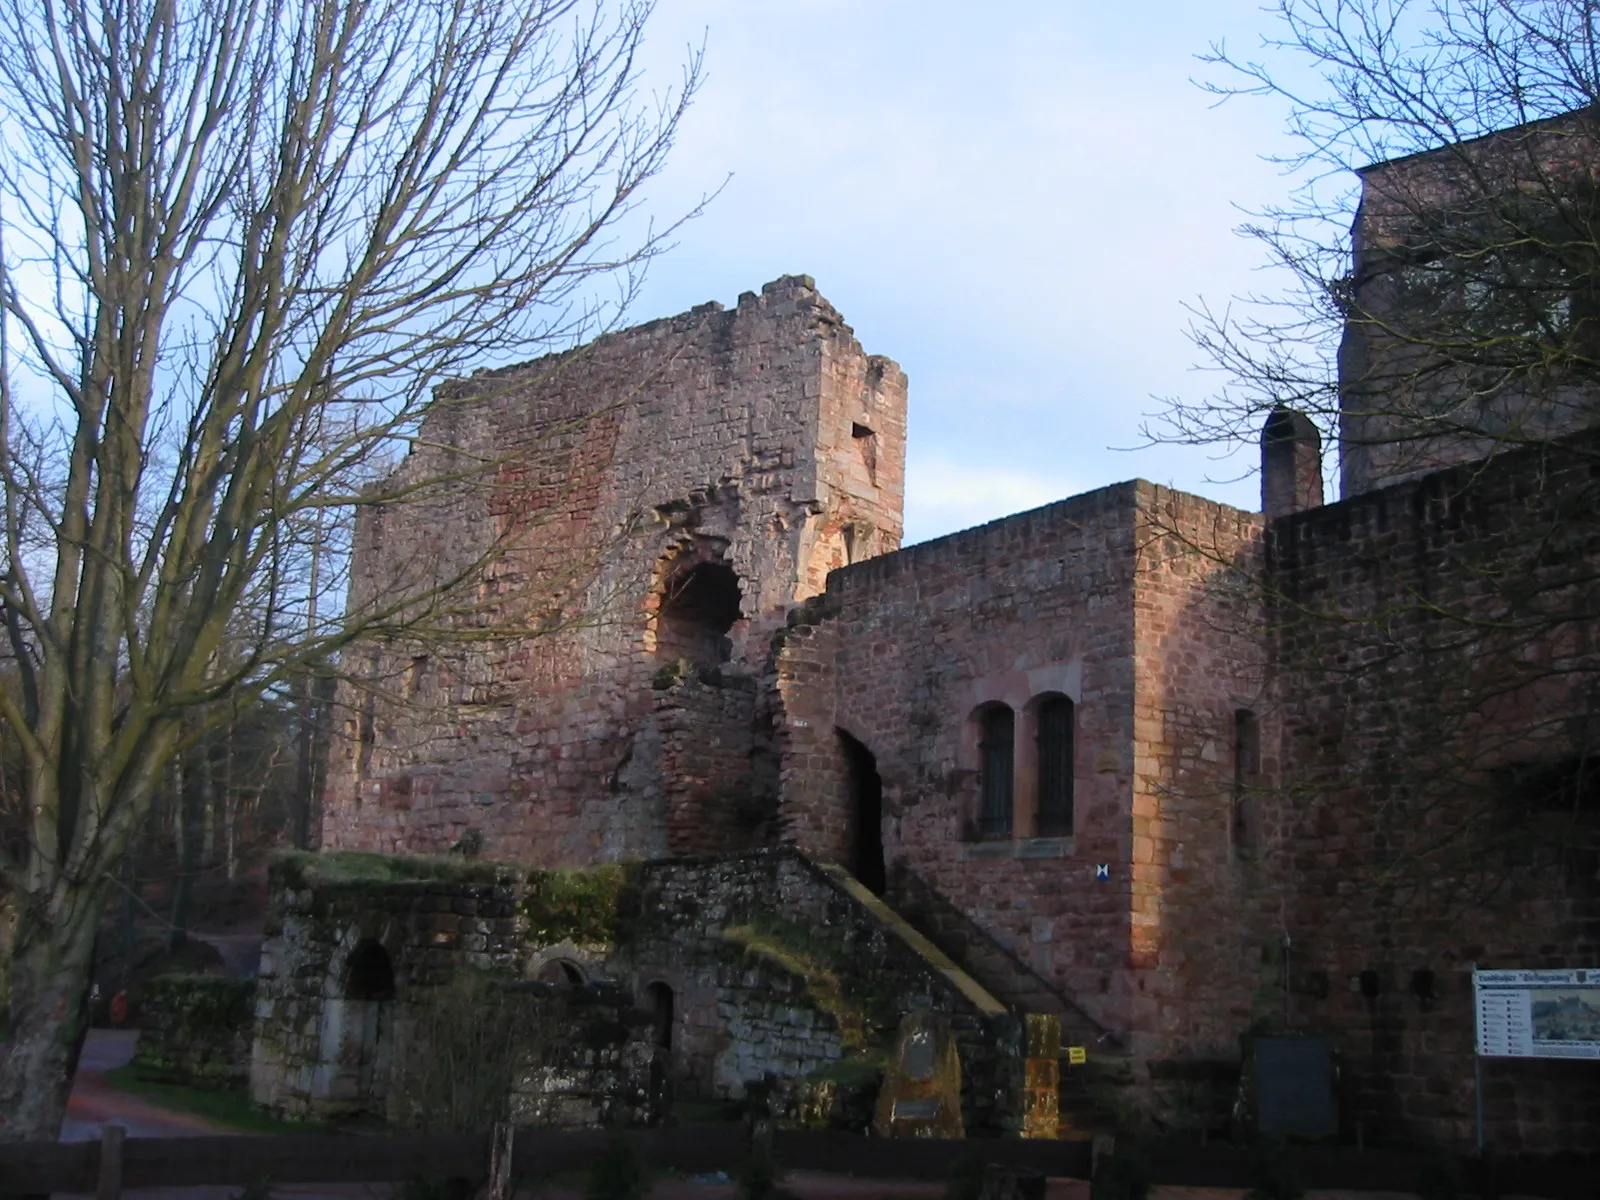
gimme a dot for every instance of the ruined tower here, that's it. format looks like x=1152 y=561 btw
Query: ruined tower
x=637 y=517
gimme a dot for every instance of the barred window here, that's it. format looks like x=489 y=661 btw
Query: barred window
x=995 y=748
x=1054 y=724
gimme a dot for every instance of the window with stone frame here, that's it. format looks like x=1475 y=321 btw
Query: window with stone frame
x=1055 y=718
x=997 y=726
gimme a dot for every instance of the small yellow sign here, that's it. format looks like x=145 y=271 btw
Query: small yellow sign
x=1077 y=1055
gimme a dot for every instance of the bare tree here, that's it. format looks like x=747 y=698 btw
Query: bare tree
x=1443 y=243
x=243 y=240
x=1443 y=308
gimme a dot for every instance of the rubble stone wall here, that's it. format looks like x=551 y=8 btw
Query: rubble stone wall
x=781 y=969
x=196 y=1030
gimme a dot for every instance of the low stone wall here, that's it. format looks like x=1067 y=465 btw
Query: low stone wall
x=196 y=1030
x=790 y=976
x=713 y=977
x=356 y=942
x=599 y=1069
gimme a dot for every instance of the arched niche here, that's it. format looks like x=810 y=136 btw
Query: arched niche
x=698 y=601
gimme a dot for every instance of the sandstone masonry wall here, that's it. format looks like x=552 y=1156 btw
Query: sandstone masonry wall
x=901 y=654
x=573 y=496
x=1200 y=657
x=1438 y=646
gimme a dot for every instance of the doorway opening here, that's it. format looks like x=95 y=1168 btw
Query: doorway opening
x=360 y=1027
x=866 y=815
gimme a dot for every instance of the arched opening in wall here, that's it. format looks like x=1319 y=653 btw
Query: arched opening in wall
x=1054 y=722
x=663 y=1017
x=700 y=601
x=866 y=814
x=997 y=731
x=659 y=999
x=357 y=1029
x=562 y=973
x=369 y=974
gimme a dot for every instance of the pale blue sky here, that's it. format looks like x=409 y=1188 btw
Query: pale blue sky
x=1012 y=199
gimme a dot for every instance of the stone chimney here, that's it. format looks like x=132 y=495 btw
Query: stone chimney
x=1291 y=463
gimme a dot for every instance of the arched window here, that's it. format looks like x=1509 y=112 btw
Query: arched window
x=996 y=755
x=1053 y=731
x=659 y=997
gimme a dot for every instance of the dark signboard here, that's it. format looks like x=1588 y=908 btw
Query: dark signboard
x=1294 y=1086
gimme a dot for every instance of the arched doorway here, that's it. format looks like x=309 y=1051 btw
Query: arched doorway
x=359 y=1024
x=866 y=815
x=659 y=998
x=661 y=1004
x=561 y=973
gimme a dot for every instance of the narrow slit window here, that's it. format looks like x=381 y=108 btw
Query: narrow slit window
x=996 y=751
x=1246 y=771
x=867 y=443
x=1055 y=729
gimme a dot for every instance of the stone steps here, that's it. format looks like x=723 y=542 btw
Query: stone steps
x=1021 y=990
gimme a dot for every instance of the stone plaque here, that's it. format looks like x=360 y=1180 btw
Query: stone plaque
x=921 y=1095
x=1294 y=1086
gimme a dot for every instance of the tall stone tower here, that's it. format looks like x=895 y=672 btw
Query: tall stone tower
x=634 y=519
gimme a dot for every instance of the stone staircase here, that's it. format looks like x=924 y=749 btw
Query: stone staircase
x=1022 y=990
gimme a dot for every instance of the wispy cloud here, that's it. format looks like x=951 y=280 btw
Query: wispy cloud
x=1013 y=200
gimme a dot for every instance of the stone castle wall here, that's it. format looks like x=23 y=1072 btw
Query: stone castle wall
x=1437 y=648
x=1200 y=655
x=901 y=655
x=576 y=496
x=1472 y=328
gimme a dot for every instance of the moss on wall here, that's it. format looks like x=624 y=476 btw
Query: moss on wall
x=196 y=1031
x=303 y=869
x=586 y=907
x=792 y=949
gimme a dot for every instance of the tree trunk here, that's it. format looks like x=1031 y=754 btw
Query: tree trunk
x=191 y=801
x=49 y=1018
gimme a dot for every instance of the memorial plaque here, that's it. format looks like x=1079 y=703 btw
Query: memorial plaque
x=1294 y=1087
x=921 y=1093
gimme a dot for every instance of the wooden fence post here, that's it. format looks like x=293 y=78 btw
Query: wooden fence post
x=110 y=1186
x=500 y=1140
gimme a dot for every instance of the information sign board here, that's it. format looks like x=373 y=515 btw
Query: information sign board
x=1538 y=1014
